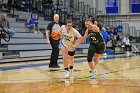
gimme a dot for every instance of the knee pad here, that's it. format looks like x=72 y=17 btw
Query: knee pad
x=71 y=53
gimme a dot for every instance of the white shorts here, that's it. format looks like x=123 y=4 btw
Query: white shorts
x=62 y=45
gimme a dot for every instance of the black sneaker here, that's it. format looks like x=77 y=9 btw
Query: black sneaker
x=54 y=66
x=51 y=66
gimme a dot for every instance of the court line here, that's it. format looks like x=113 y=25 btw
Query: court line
x=127 y=79
x=103 y=73
x=15 y=67
x=120 y=76
x=76 y=78
x=79 y=77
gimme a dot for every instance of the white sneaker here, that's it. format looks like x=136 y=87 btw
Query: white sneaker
x=71 y=72
x=105 y=54
x=93 y=74
x=67 y=74
x=128 y=53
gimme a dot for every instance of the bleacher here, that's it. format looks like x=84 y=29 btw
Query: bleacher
x=24 y=45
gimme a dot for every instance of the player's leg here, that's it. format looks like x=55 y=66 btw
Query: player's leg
x=71 y=61
x=96 y=61
x=65 y=57
x=99 y=50
x=65 y=61
x=91 y=63
x=97 y=58
x=89 y=58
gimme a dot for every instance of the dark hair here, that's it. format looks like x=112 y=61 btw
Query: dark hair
x=93 y=20
x=74 y=26
x=68 y=21
x=86 y=20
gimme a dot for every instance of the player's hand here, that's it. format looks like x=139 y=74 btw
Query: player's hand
x=48 y=41
x=73 y=46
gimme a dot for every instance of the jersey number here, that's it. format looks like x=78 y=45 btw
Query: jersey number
x=93 y=38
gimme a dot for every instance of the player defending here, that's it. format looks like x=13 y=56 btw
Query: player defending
x=97 y=45
x=69 y=36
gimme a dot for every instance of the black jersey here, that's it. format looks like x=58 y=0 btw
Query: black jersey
x=95 y=37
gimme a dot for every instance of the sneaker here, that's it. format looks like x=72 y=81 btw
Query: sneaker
x=67 y=74
x=128 y=53
x=71 y=72
x=93 y=74
x=54 y=66
x=105 y=54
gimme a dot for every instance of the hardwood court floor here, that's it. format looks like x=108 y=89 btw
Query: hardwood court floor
x=116 y=74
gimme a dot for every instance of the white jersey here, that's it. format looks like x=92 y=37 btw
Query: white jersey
x=69 y=38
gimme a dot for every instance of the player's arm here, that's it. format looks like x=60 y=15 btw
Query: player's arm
x=95 y=28
x=82 y=39
x=85 y=35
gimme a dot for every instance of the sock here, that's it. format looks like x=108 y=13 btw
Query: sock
x=71 y=67
x=67 y=69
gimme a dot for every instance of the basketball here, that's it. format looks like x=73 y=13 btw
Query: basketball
x=56 y=34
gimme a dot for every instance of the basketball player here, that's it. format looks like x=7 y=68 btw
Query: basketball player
x=97 y=45
x=69 y=35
